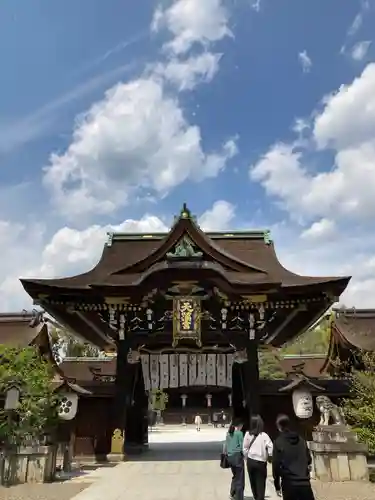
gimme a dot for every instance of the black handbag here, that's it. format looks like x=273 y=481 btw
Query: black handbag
x=224 y=462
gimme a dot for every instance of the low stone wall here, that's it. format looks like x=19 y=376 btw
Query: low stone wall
x=31 y=464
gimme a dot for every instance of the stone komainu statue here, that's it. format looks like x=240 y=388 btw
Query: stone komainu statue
x=329 y=411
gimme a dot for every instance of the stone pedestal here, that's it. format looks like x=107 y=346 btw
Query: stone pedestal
x=337 y=455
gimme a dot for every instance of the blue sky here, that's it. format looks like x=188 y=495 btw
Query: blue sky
x=257 y=113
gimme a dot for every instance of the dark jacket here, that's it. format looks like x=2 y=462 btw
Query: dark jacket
x=291 y=460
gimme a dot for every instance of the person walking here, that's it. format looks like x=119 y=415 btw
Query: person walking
x=233 y=450
x=215 y=419
x=291 y=463
x=223 y=419
x=257 y=449
x=198 y=422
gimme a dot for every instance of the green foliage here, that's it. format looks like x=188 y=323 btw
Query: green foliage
x=314 y=341
x=65 y=344
x=36 y=410
x=159 y=399
x=269 y=365
x=359 y=409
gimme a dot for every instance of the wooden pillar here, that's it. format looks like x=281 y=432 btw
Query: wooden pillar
x=123 y=385
x=237 y=391
x=136 y=421
x=251 y=379
x=130 y=402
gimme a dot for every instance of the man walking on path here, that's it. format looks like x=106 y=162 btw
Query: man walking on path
x=215 y=419
x=198 y=422
x=291 y=461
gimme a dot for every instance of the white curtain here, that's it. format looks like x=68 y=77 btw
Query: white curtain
x=221 y=368
x=229 y=370
x=154 y=371
x=173 y=370
x=201 y=372
x=192 y=369
x=164 y=372
x=184 y=370
x=145 y=360
x=211 y=369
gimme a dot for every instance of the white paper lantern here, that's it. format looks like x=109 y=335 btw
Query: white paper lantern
x=303 y=403
x=68 y=405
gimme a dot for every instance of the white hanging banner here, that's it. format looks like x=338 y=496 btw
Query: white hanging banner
x=201 y=372
x=173 y=370
x=211 y=369
x=229 y=370
x=183 y=370
x=164 y=371
x=221 y=370
x=154 y=371
x=145 y=361
x=192 y=369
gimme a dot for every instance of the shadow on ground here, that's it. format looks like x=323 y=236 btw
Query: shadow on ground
x=178 y=452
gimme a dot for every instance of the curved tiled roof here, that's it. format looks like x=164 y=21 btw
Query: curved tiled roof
x=355 y=328
x=246 y=257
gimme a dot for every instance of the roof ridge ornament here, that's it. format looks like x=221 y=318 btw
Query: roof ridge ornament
x=185 y=212
x=267 y=237
x=184 y=249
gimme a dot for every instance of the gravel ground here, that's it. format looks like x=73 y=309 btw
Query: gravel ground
x=53 y=491
x=344 y=491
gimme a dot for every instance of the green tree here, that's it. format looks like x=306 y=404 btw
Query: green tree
x=159 y=399
x=269 y=365
x=37 y=410
x=359 y=409
x=313 y=341
x=65 y=344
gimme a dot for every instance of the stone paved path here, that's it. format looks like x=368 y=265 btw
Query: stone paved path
x=181 y=464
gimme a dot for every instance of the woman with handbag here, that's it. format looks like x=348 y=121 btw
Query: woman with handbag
x=232 y=458
x=257 y=449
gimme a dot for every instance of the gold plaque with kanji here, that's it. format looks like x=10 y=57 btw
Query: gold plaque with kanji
x=186 y=319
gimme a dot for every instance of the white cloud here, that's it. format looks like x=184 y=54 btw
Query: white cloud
x=305 y=61
x=192 y=22
x=345 y=254
x=136 y=139
x=186 y=74
x=360 y=49
x=26 y=129
x=282 y=175
x=26 y=253
x=358 y=19
x=330 y=209
x=255 y=5
x=137 y=142
x=347 y=125
x=219 y=217
x=320 y=231
x=348 y=117
x=356 y=24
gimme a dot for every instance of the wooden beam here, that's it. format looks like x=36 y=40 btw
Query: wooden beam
x=69 y=321
x=285 y=323
x=96 y=329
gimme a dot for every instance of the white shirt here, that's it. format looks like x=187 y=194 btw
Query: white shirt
x=261 y=448
x=198 y=420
